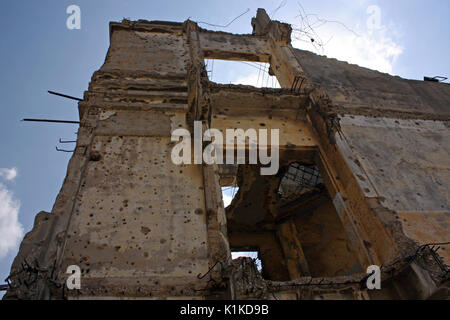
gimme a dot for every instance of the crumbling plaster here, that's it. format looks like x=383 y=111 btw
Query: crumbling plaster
x=141 y=227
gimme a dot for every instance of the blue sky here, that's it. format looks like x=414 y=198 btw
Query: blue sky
x=38 y=53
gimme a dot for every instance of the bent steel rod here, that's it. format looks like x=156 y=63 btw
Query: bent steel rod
x=52 y=121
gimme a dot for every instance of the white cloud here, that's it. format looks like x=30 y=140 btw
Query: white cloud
x=228 y=193
x=249 y=80
x=11 y=231
x=254 y=78
x=8 y=174
x=226 y=200
x=373 y=47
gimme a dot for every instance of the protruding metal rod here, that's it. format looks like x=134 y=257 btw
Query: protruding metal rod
x=52 y=121
x=64 y=95
x=66 y=141
x=435 y=79
x=3 y=287
x=63 y=150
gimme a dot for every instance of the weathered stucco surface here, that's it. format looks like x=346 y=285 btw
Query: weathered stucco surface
x=132 y=214
x=407 y=161
x=362 y=90
x=142 y=227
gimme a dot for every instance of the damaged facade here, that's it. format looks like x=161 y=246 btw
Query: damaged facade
x=364 y=178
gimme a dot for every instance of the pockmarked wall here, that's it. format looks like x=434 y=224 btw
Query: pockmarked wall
x=399 y=136
x=138 y=226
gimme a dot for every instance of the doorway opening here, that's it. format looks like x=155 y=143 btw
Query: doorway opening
x=291 y=221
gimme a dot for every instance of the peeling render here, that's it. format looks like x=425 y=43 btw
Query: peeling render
x=141 y=227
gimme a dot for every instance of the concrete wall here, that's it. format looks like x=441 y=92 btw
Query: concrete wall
x=362 y=90
x=141 y=227
x=394 y=136
x=408 y=164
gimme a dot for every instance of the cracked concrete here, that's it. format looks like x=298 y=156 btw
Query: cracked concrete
x=141 y=227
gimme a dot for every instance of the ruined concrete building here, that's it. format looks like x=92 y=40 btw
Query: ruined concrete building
x=364 y=178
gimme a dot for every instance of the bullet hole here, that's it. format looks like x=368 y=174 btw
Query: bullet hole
x=95 y=156
x=145 y=230
x=199 y=211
